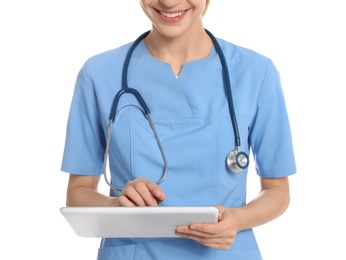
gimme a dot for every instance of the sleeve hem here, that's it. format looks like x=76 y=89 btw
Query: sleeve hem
x=276 y=173
x=81 y=170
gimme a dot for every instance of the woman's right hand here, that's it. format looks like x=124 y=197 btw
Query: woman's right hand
x=141 y=192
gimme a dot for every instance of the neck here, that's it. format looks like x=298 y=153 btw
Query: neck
x=177 y=50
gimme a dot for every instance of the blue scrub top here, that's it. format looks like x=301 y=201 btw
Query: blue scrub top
x=192 y=120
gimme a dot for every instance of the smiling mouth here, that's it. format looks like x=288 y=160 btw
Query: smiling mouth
x=172 y=15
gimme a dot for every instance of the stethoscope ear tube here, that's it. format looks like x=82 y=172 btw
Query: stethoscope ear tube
x=146 y=113
x=143 y=107
x=133 y=92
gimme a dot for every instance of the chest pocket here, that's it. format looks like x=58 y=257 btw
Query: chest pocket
x=189 y=148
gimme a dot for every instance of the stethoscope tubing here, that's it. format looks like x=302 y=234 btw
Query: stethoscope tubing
x=235 y=159
x=227 y=84
x=112 y=121
x=225 y=74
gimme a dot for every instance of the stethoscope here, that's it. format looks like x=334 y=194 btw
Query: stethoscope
x=236 y=160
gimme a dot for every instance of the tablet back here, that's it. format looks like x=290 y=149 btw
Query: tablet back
x=134 y=221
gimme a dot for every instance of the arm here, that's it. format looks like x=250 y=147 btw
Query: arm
x=82 y=190
x=271 y=202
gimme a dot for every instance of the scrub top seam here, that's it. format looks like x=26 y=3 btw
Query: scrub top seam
x=131 y=150
x=258 y=95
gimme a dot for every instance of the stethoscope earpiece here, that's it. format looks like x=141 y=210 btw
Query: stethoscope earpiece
x=237 y=161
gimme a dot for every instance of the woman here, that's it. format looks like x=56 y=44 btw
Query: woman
x=177 y=70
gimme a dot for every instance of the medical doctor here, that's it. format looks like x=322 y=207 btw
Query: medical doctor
x=203 y=97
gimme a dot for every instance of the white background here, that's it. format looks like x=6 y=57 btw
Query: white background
x=43 y=45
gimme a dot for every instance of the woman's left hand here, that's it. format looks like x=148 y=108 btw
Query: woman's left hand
x=218 y=235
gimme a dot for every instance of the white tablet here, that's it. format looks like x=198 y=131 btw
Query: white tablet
x=123 y=222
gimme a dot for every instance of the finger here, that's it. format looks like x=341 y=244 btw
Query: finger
x=154 y=189
x=209 y=230
x=221 y=243
x=125 y=202
x=221 y=210
x=132 y=195
x=206 y=228
x=186 y=230
x=147 y=198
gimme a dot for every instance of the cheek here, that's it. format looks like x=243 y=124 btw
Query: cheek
x=149 y=11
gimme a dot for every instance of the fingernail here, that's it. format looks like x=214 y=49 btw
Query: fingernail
x=193 y=227
x=181 y=230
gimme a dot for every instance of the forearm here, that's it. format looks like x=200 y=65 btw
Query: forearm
x=82 y=196
x=83 y=191
x=269 y=204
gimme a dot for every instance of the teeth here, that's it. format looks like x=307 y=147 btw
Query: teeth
x=171 y=15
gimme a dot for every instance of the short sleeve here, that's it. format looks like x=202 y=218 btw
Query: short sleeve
x=85 y=140
x=270 y=134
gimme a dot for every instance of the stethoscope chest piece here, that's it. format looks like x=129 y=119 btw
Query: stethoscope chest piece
x=237 y=161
